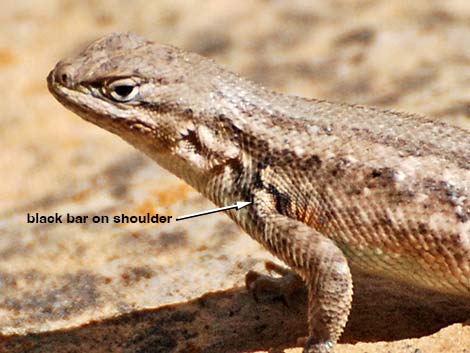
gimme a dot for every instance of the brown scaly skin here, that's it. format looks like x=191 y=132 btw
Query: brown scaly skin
x=333 y=186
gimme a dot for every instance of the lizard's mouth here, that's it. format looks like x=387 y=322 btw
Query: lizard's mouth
x=68 y=97
x=53 y=86
x=81 y=100
x=96 y=110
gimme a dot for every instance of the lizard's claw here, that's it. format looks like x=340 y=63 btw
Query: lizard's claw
x=286 y=288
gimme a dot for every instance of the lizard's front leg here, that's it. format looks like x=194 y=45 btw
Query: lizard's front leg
x=318 y=261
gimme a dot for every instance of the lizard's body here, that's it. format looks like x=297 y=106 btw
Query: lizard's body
x=332 y=185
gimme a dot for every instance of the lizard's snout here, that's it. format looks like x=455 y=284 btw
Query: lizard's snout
x=62 y=74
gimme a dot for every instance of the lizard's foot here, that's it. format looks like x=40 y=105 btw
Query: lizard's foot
x=287 y=288
x=317 y=347
x=314 y=347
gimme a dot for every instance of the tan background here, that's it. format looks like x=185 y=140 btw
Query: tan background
x=65 y=282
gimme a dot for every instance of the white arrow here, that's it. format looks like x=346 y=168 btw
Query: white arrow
x=239 y=205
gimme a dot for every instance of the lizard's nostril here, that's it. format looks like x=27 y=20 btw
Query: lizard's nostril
x=63 y=75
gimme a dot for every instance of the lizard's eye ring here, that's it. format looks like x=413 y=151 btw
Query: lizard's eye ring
x=123 y=90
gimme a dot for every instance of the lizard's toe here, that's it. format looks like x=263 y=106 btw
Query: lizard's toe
x=286 y=288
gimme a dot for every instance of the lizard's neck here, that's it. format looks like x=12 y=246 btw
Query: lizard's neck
x=223 y=183
x=219 y=133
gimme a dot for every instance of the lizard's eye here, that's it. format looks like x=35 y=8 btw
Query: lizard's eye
x=123 y=90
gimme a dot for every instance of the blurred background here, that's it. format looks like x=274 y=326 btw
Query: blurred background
x=404 y=55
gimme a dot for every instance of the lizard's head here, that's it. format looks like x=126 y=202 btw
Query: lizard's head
x=123 y=83
x=154 y=96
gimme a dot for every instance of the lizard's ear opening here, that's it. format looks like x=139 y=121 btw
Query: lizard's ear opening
x=122 y=90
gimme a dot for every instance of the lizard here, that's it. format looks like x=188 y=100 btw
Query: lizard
x=333 y=186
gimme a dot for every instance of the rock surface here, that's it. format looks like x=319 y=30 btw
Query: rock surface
x=178 y=287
